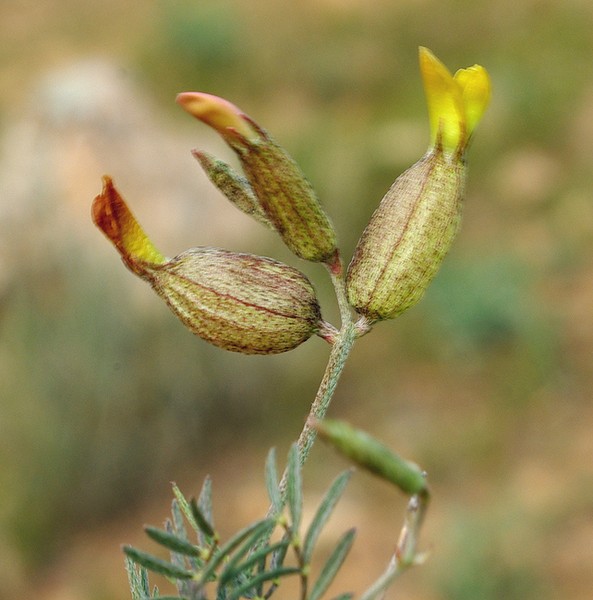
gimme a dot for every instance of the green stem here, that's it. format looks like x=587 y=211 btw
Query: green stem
x=342 y=296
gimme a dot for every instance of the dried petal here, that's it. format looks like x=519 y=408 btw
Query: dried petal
x=113 y=217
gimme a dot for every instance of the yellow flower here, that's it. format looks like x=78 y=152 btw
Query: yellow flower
x=456 y=103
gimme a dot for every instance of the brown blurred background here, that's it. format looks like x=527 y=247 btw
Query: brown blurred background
x=105 y=398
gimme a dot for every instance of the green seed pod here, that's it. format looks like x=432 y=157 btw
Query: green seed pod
x=239 y=302
x=407 y=238
x=372 y=455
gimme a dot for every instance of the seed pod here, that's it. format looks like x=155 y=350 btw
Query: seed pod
x=285 y=196
x=239 y=302
x=288 y=200
x=372 y=455
x=407 y=238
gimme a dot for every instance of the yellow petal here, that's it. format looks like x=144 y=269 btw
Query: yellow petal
x=218 y=113
x=476 y=89
x=113 y=217
x=445 y=102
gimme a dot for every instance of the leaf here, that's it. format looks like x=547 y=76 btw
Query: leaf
x=272 y=482
x=178 y=524
x=138 y=579
x=179 y=560
x=347 y=596
x=262 y=578
x=144 y=580
x=157 y=565
x=261 y=527
x=232 y=570
x=179 y=529
x=249 y=545
x=185 y=507
x=172 y=541
x=279 y=555
x=323 y=513
x=205 y=527
x=333 y=564
x=205 y=504
x=294 y=488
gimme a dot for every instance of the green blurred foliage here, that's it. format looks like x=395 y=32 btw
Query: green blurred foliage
x=486 y=383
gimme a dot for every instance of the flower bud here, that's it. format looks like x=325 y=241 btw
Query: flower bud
x=284 y=194
x=407 y=238
x=239 y=302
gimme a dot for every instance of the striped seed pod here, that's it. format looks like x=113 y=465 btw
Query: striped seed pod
x=239 y=302
x=407 y=238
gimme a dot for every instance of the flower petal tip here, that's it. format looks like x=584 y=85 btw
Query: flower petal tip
x=113 y=217
x=218 y=113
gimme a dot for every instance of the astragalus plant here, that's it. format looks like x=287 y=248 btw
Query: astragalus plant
x=258 y=305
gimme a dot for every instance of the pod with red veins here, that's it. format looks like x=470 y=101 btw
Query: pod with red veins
x=239 y=302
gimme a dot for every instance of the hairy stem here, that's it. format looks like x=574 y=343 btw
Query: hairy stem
x=341 y=348
x=335 y=366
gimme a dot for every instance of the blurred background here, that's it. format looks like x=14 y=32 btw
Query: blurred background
x=105 y=398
